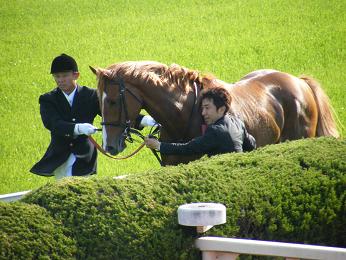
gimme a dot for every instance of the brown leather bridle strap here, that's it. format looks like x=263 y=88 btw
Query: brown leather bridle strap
x=99 y=148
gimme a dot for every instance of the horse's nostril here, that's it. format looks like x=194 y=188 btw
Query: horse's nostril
x=111 y=150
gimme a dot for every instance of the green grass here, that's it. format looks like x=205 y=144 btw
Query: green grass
x=226 y=38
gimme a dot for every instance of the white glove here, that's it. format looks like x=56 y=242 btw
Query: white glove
x=147 y=121
x=84 y=129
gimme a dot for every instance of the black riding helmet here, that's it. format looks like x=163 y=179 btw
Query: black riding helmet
x=63 y=63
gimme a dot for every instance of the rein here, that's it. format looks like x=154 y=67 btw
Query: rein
x=100 y=149
x=130 y=139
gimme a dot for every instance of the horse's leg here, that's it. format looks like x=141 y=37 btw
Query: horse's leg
x=300 y=112
x=267 y=131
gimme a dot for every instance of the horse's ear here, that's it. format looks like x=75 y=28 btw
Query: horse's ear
x=93 y=70
x=99 y=72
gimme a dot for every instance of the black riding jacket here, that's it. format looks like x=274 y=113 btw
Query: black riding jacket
x=228 y=134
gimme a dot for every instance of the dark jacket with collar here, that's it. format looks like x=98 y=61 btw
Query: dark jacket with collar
x=228 y=134
x=60 y=119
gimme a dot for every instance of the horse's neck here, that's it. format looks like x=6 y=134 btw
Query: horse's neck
x=166 y=113
x=173 y=111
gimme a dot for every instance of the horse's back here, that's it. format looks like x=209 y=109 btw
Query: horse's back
x=258 y=73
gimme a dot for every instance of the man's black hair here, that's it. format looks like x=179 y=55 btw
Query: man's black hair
x=219 y=96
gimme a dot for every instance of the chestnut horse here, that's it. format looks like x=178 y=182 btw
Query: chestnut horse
x=275 y=106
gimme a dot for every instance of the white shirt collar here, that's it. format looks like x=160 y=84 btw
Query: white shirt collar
x=71 y=96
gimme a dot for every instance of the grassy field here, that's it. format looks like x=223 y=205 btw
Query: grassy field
x=226 y=38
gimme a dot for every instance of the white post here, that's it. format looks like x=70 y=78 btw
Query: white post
x=203 y=216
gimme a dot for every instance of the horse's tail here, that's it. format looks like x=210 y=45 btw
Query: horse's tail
x=326 y=125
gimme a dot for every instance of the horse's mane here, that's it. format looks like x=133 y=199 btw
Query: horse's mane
x=141 y=70
x=179 y=76
x=151 y=72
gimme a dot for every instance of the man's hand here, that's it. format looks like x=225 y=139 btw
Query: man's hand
x=152 y=143
x=147 y=121
x=84 y=129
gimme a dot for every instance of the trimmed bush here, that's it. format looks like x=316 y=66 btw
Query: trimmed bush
x=293 y=192
x=29 y=232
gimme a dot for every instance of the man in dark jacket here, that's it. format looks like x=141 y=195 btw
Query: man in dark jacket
x=68 y=113
x=224 y=133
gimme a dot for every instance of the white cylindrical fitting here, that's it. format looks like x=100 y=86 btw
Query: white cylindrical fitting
x=201 y=214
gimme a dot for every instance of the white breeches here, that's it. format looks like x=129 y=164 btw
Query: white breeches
x=65 y=170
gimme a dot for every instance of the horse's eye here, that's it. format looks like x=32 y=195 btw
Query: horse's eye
x=111 y=102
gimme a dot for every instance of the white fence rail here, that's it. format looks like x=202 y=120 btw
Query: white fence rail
x=13 y=196
x=230 y=248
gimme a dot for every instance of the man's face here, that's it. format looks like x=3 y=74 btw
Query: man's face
x=66 y=81
x=209 y=111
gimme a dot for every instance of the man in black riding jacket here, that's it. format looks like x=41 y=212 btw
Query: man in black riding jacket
x=68 y=112
x=224 y=133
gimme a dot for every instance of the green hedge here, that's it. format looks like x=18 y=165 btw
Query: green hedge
x=29 y=232
x=292 y=192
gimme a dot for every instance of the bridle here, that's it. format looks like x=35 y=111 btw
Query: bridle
x=123 y=105
x=127 y=125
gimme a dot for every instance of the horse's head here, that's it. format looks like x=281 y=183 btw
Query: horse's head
x=168 y=94
x=120 y=104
